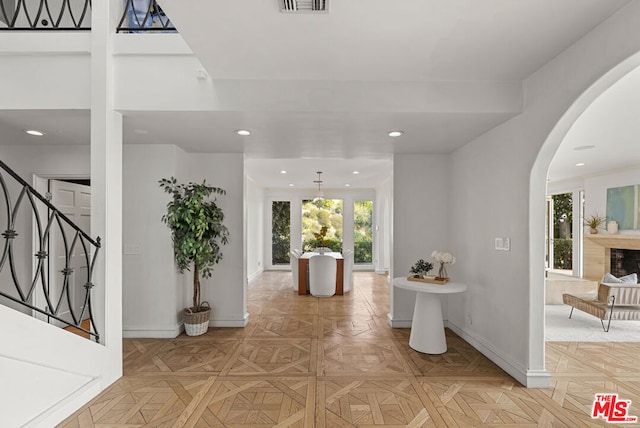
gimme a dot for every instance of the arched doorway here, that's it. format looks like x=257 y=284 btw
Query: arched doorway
x=537 y=194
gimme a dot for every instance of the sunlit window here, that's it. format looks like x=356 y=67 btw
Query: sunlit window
x=316 y=215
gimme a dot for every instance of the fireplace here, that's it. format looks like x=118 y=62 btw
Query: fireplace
x=602 y=254
x=625 y=262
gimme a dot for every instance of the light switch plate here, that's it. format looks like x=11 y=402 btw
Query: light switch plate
x=503 y=244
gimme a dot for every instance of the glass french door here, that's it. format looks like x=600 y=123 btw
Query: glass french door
x=363 y=232
x=280 y=232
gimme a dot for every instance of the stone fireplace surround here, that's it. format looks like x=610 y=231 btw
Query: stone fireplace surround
x=601 y=255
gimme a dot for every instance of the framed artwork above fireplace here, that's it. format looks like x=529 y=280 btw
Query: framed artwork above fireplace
x=623 y=206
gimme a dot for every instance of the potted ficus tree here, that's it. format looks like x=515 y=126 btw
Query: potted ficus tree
x=198 y=234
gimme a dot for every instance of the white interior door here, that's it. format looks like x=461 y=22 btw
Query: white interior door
x=74 y=201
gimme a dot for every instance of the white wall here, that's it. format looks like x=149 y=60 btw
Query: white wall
x=596 y=191
x=498 y=190
x=226 y=289
x=420 y=222
x=65 y=57
x=158 y=72
x=150 y=304
x=154 y=293
x=382 y=227
x=255 y=228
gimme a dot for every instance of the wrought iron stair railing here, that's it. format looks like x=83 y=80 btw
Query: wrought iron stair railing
x=144 y=16
x=64 y=295
x=45 y=15
x=138 y=16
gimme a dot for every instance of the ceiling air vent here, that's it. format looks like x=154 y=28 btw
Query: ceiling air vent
x=289 y=6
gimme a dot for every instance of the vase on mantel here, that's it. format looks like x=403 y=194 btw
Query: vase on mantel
x=593 y=231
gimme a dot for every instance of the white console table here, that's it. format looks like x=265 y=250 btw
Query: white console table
x=427 y=328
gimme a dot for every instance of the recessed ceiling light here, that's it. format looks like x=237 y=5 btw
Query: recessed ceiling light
x=580 y=164
x=347 y=185
x=34 y=132
x=242 y=132
x=584 y=147
x=356 y=172
x=291 y=184
x=283 y=172
x=395 y=133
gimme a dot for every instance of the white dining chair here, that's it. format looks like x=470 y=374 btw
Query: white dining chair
x=293 y=259
x=322 y=275
x=348 y=270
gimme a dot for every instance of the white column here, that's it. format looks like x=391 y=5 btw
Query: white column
x=106 y=183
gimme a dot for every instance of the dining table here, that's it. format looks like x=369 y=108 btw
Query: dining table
x=303 y=266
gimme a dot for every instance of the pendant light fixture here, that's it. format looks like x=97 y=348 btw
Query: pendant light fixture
x=320 y=194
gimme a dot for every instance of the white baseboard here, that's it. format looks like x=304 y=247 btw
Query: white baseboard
x=279 y=267
x=151 y=333
x=65 y=407
x=255 y=275
x=381 y=271
x=230 y=322
x=528 y=378
x=538 y=379
x=396 y=323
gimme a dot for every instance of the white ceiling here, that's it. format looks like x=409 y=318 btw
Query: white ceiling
x=411 y=44
x=381 y=40
x=605 y=137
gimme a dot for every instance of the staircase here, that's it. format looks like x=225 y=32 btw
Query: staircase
x=46 y=371
x=44 y=293
x=43 y=372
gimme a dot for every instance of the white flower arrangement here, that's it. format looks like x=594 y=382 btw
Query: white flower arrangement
x=443 y=257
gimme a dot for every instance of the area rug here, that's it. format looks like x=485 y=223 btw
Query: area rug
x=585 y=328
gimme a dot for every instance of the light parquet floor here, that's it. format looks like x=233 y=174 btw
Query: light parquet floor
x=334 y=362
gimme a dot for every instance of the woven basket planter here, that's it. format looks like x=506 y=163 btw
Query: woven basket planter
x=197 y=323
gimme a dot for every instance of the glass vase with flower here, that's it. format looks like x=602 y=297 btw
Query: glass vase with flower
x=444 y=259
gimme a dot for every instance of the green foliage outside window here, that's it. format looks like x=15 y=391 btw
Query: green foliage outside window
x=563 y=208
x=312 y=244
x=363 y=231
x=562 y=231
x=318 y=214
x=563 y=254
x=328 y=213
x=280 y=232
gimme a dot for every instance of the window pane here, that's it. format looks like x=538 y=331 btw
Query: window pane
x=318 y=214
x=280 y=232
x=363 y=231
x=562 y=231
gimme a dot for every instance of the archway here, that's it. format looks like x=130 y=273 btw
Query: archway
x=537 y=193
